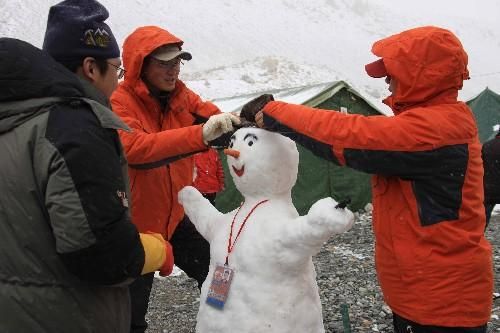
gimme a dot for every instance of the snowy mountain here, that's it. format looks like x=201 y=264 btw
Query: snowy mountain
x=259 y=74
x=251 y=45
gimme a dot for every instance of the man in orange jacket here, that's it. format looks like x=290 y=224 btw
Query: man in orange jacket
x=433 y=262
x=165 y=118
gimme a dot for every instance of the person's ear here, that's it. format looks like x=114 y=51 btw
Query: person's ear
x=89 y=69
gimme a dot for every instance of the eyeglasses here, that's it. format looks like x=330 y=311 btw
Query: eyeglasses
x=171 y=64
x=120 y=71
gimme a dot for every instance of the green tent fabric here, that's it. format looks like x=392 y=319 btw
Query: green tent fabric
x=317 y=178
x=486 y=109
x=230 y=198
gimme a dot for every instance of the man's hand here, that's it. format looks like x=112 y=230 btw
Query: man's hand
x=168 y=265
x=250 y=109
x=259 y=119
x=158 y=255
x=219 y=124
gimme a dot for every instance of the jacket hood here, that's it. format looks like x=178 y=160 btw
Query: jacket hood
x=140 y=44
x=28 y=78
x=27 y=72
x=426 y=62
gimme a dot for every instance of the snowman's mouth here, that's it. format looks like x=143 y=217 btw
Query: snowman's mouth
x=239 y=172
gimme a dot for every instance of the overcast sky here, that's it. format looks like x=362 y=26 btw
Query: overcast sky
x=484 y=9
x=30 y=14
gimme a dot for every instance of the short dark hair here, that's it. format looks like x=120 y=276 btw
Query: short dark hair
x=73 y=65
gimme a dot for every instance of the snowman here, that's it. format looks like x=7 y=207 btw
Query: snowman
x=262 y=277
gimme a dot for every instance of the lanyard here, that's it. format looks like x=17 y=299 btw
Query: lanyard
x=230 y=246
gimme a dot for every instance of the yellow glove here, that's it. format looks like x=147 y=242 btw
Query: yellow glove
x=158 y=254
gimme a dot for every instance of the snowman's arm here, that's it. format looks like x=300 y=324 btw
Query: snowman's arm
x=323 y=220
x=200 y=211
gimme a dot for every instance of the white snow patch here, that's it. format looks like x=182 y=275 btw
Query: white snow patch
x=345 y=252
x=175 y=272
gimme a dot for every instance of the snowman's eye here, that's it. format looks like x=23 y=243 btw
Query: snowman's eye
x=231 y=141
x=250 y=139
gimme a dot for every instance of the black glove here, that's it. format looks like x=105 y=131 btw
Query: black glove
x=251 y=108
x=222 y=141
x=343 y=203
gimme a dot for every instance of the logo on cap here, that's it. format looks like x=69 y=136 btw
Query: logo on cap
x=98 y=37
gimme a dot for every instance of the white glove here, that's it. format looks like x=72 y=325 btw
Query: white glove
x=217 y=125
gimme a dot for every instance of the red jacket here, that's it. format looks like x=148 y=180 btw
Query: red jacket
x=158 y=136
x=209 y=175
x=433 y=261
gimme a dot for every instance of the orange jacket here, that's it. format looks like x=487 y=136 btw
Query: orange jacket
x=433 y=261
x=209 y=177
x=158 y=136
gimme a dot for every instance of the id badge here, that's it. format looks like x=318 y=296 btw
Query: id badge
x=219 y=288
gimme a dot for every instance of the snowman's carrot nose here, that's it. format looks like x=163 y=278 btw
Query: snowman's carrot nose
x=232 y=152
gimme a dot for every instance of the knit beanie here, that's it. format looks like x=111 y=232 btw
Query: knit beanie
x=76 y=29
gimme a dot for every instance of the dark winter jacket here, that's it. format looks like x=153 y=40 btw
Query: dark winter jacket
x=68 y=247
x=491 y=162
